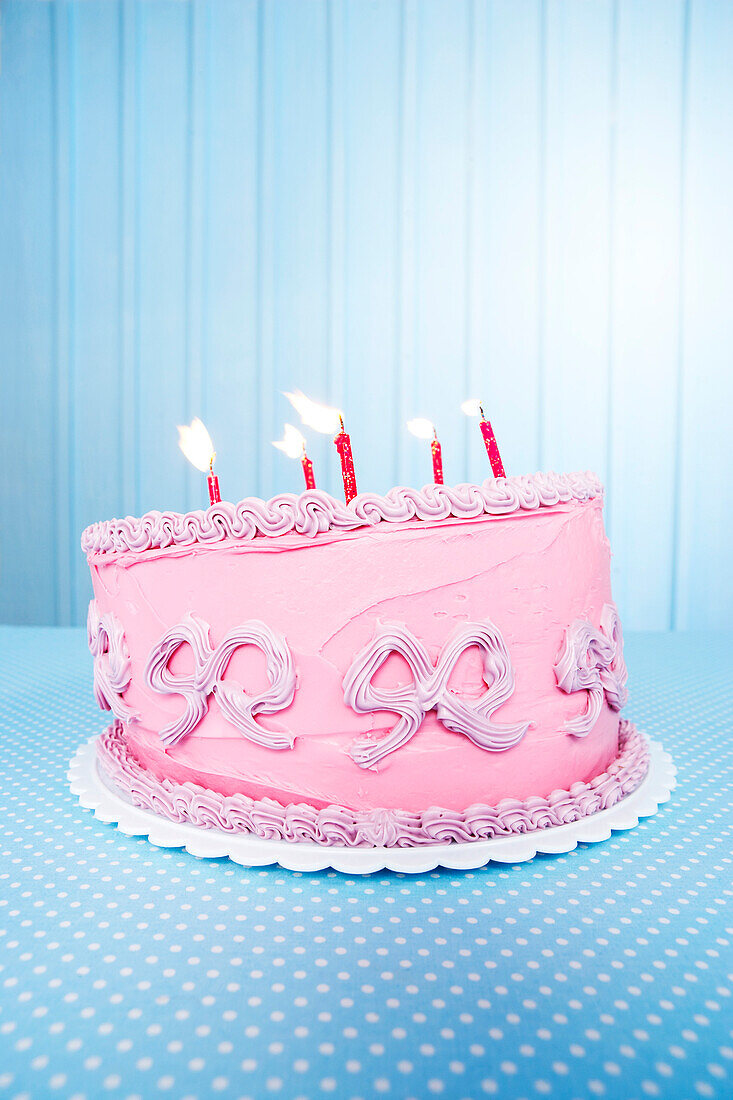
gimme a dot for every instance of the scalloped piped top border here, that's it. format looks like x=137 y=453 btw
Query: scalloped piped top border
x=314 y=512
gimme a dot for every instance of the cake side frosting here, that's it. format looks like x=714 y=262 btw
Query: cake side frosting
x=293 y=667
x=337 y=824
x=315 y=512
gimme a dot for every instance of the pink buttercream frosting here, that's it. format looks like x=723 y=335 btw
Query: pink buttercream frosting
x=339 y=825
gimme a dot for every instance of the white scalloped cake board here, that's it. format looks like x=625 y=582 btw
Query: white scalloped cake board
x=251 y=851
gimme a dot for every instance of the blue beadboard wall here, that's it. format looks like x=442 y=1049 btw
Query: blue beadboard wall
x=391 y=205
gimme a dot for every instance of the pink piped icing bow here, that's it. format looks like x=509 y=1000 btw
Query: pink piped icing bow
x=429 y=690
x=210 y=664
x=592 y=660
x=112 y=674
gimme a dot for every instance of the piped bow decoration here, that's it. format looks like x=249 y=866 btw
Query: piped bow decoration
x=112 y=674
x=429 y=690
x=592 y=660
x=210 y=664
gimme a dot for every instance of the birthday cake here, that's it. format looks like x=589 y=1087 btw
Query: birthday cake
x=427 y=666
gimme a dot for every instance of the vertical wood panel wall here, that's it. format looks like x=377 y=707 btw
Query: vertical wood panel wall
x=391 y=205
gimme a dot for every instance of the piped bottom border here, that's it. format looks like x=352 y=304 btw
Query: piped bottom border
x=252 y=850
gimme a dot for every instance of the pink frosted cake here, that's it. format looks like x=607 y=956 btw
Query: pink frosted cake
x=432 y=665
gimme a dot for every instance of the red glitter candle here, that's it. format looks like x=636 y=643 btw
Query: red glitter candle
x=492 y=448
x=437 y=461
x=213 y=482
x=310 y=481
x=343 y=446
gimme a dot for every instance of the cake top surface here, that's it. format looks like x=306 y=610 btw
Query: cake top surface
x=315 y=512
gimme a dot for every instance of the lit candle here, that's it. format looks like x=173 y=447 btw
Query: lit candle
x=195 y=442
x=330 y=421
x=425 y=429
x=292 y=444
x=473 y=407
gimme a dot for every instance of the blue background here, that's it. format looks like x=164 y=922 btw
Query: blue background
x=392 y=206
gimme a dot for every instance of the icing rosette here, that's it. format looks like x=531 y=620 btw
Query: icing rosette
x=515 y=817
x=564 y=807
x=239 y=815
x=539 y=814
x=332 y=825
x=268 y=820
x=338 y=825
x=483 y=822
x=444 y=827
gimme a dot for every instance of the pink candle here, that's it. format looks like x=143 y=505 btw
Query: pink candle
x=310 y=481
x=213 y=482
x=437 y=461
x=343 y=446
x=492 y=448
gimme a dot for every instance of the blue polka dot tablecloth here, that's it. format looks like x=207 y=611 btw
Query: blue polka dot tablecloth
x=131 y=971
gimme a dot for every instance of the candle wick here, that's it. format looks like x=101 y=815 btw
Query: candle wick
x=211 y=464
x=341 y=421
x=481 y=410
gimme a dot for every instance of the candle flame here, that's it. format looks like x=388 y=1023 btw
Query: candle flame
x=322 y=418
x=472 y=407
x=423 y=429
x=195 y=442
x=292 y=443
